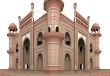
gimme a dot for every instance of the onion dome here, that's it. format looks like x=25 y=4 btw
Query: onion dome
x=12 y=27
x=95 y=27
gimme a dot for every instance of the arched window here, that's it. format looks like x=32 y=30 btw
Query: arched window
x=49 y=29
x=57 y=29
x=67 y=62
x=67 y=39
x=91 y=49
x=91 y=63
x=81 y=54
x=17 y=48
x=40 y=62
x=26 y=53
x=40 y=39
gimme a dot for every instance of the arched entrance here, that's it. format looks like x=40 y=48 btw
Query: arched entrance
x=81 y=54
x=40 y=62
x=26 y=54
x=67 y=62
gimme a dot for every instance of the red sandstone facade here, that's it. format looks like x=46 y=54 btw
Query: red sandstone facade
x=54 y=43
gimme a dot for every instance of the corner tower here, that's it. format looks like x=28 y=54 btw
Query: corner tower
x=95 y=30
x=53 y=37
x=11 y=34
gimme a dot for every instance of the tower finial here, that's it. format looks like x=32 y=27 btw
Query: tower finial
x=75 y=6
x=88 y=19
x=32 y=6
x=19 y=18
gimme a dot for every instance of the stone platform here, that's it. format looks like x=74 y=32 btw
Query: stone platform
x=102 y=72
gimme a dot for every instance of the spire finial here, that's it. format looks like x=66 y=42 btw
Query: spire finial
x=19 y=18
x=32 y=6
x=75 y=6
x=88 y=19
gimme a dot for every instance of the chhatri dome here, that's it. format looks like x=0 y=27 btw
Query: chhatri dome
x=95 y=27
x=12 y=27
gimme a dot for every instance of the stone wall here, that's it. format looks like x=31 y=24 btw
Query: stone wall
x=101 y=72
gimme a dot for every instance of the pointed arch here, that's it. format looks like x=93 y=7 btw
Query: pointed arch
x=40 y=62
x=67 y=62
x=40 y=39
x=26 y=53
x=81 y=54
x=67 y=39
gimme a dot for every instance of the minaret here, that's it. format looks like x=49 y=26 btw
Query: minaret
x=12 y=32
x=53 y=37
x=95 y=30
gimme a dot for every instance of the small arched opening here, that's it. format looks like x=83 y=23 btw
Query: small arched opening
x=91 y=63
x=40 y=39
x=91 y=48
x=67 y=62
x=49 y=29
x=67 y=39
x=17 y=50
x=16 y=63
x=57 y=29
x=40 y=62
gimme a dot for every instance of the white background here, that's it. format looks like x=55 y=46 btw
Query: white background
x=98 y=10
